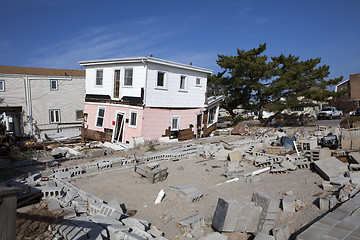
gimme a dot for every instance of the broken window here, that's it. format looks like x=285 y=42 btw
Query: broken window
x=116 y=83
x=160 y=79
x=79 y=115
x=99 y=77
x=54 y=115
x=2 y=85
x=183 y=83
x=53 y=84
x=212 y=115
x=128 y=77
x=133 y=118
x=175 y=123
x=100 y=117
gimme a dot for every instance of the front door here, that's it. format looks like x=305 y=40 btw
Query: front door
x=119 y=128
x=198 y=125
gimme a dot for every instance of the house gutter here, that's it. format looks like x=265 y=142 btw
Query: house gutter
x=146 y=80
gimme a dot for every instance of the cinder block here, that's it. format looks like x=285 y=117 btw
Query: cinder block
x=282 y=233
x=225 y=215
x=288 y=203
x=235 y=156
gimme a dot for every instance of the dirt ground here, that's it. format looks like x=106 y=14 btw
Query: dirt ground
x=137 y=194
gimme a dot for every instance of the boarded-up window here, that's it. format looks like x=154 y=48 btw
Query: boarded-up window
x=54 y=115
x=116 y=83
x=79 y=115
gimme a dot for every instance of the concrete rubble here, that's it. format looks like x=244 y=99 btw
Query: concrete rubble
x=89 y=217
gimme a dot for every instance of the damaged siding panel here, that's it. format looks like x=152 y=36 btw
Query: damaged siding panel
x=155 y=126
x=170 y=95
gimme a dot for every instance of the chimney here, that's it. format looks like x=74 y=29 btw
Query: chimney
x=151 y=55
x=190 y=63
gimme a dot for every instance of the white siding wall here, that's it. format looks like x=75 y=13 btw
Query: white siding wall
x=172 y=96
x=14 y=95
x=139 y=75
x=69 y=97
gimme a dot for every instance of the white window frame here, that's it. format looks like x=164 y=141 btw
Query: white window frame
x=53 y=111
x=177 y=128
x=2 y=88
x=164 y=80
x=131 y=118
x=96 y=77
x=196 y=82
x=215 y=115
x=185 y=83
x=132 y=77
x=97 y=117
x=56 y=85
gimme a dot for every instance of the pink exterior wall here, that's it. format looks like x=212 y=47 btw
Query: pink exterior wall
x=151 y=122
x=157 y=120
x=110 y=115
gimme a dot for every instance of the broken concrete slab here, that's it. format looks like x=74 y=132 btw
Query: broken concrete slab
x=190 y=193
x=270 y=206
x=235 y=156
x=355 y=156
x=214 y=236
x=236 y=216
x=193 y=222
x=330 y=168
x=281 y=233
x=263 y=236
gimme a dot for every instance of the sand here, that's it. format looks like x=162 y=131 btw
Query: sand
x=138 y=194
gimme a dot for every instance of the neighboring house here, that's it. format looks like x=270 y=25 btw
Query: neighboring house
x=35 y=101
x=351 y=99
x=146 y=97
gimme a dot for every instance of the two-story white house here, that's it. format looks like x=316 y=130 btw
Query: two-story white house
x=36 y=101
x=146 y=97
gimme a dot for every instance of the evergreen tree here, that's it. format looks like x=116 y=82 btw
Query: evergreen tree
x=251 y=81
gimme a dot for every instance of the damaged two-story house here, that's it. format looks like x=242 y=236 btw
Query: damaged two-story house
x=146 y=97
x=38 y=102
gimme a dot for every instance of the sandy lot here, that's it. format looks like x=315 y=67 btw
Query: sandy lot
x=137 y=194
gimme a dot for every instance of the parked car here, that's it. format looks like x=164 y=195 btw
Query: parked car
x=329 y=113
x=357 y=112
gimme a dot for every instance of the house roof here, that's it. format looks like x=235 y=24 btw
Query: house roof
x=41 y=71
x=214 y=100
x=341 y=83
x=143 y=60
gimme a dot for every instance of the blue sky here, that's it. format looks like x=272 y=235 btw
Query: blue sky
x=59 y=33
